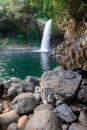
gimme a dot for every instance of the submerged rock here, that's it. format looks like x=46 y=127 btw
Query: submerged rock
x=24 y=103
x=43 y=120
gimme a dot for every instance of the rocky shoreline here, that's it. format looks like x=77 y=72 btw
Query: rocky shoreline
x=56 y=101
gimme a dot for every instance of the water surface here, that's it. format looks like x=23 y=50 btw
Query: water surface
x=26 y=63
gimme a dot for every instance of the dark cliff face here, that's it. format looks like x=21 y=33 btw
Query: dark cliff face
x=56 y=38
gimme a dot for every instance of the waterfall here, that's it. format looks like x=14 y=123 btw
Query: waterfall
x=46 y=36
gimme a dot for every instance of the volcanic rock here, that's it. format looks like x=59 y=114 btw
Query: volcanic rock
x=59 y=84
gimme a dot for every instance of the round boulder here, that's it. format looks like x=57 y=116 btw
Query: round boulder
x=43 y=120
x=24 y=103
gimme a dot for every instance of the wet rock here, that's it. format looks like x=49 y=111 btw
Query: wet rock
x=1 y=88
x=13 y=126
x=59 y=84
x=24 y=103
x=43 y=120
x=33 y=80
x=43 y=107
x=22 y=121
x=65 y=113
x=7 y=118
x=83 y=118
x=82 y=94
x=77 y=126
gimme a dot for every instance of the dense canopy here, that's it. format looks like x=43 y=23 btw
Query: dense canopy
x=24 y=14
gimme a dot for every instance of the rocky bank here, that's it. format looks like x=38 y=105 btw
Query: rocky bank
x=56 y=101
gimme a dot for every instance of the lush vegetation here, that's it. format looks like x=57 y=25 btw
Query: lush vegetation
x=23 y=19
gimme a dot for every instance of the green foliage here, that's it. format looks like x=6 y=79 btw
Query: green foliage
x=26 y=12
x=75 y=8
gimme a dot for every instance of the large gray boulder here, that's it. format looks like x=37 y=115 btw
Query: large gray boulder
x=77 y=126
x=65 y=113
x=24 y=103
x=59 y=84
x=43 y=120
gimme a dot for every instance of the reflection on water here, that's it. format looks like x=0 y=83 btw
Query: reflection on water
x=23 y=64
x=44 y=61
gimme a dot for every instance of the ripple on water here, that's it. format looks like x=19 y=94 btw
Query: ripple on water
x=22 y=64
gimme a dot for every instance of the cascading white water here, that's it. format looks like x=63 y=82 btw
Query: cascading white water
x=46 y=36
